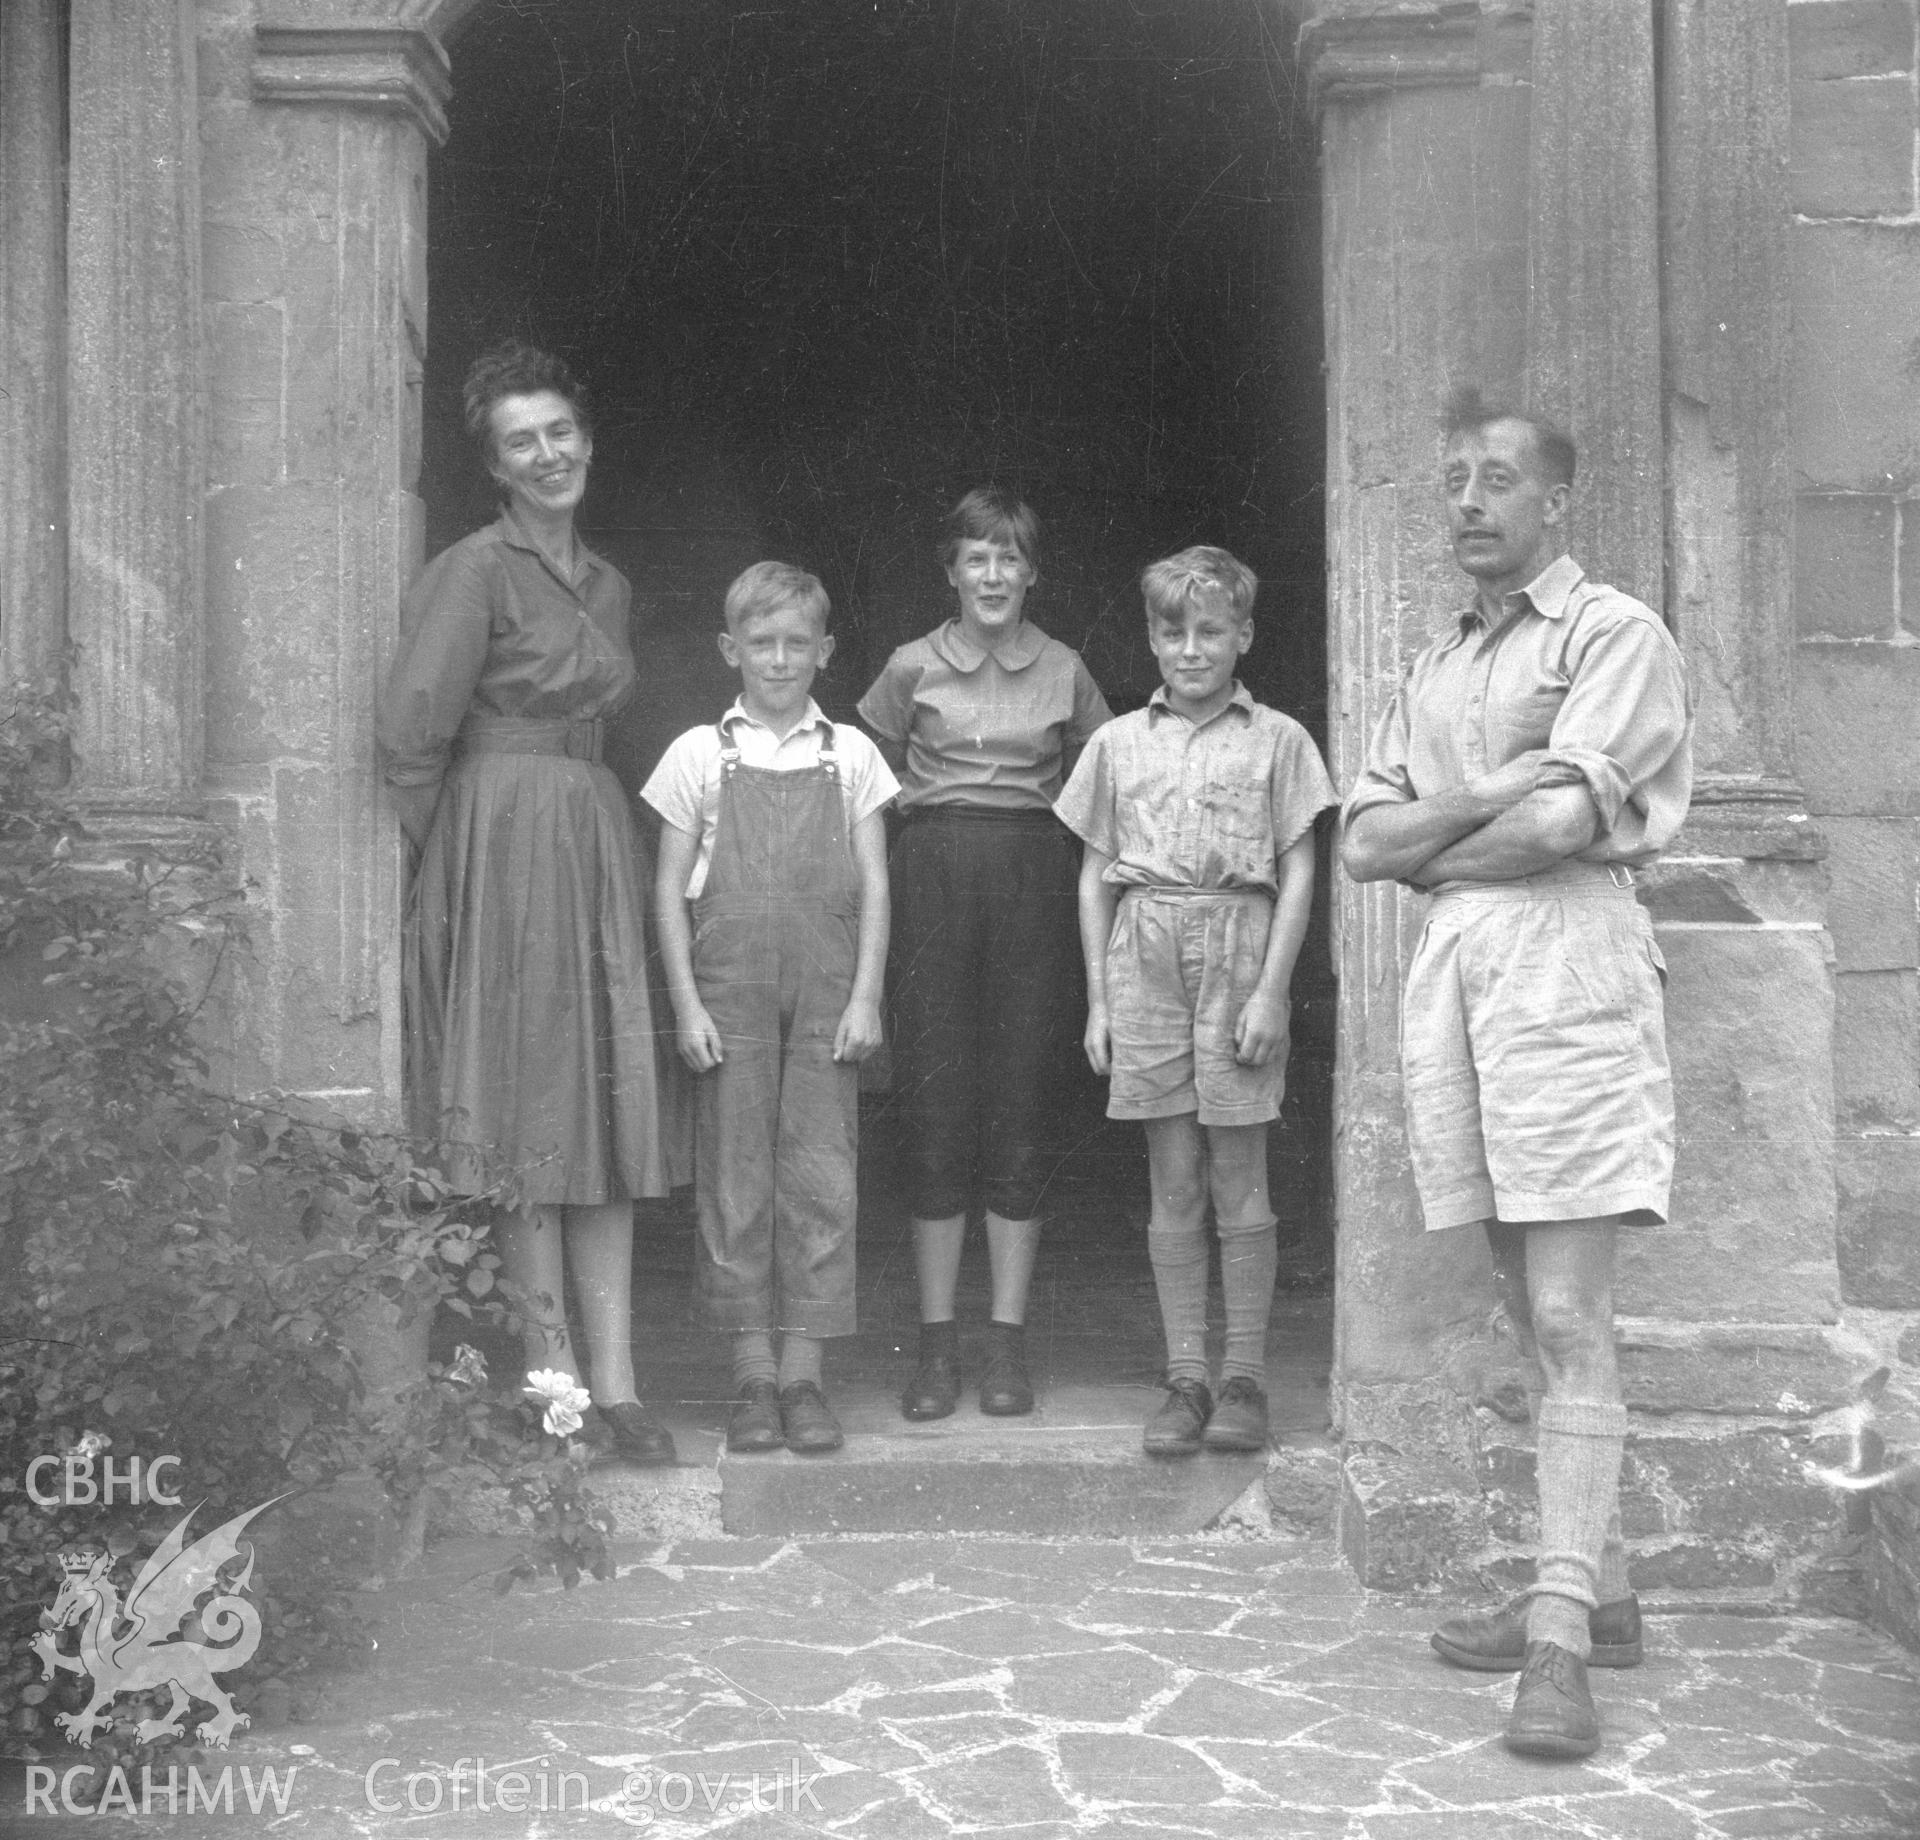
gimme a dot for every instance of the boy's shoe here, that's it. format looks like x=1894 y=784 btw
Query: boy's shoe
x=755 y=1423
x=1005 y=1390
x=1495 y=1642
x=808 y=1420
x=934 y=1390
x=1239 y=1419
x=1553 y=1712
x=638 y=1437
x=1176 y=1429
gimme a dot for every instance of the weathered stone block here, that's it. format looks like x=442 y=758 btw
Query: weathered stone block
x=1405 y=1523
x=1843 y=569
x=1893 y=1563
x=1752 y=1485
x=1704 y=1565
x=1752 y=1233
x=241 y=264
x=1850 y=38
x=1504 y=1469
x=1874 y=913
x=1856 y=393
x=1790 y=1370
x=1879 y=1184
x=1876 y=1051
x=245 y=391
x=1854 y=709
x=1853 y=147
x=1908 y=512
x=1303 y=1489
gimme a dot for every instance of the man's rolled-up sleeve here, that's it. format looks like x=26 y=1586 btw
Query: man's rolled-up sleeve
x=1624 y=717
x=1385 y=779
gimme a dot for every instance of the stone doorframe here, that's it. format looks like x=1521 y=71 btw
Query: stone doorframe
x=229 y=327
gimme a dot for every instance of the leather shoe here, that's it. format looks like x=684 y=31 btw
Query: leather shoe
x=1175 y=1430
x=755 y=1420
x=1239 y=1419
x=808 y=1420
x=638 y=1437
x=1553 y=1712
x=1495 y=1642
x=934 y=1390
x=1005 y=1390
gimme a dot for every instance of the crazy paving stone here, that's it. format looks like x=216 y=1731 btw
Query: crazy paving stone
x=1211 y=1708
x=1122 y=1768
x=1104 y=1685
x=1003 y=1788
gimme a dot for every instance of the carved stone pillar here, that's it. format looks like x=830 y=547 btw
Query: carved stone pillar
x=317 y=132
x=1593 y=294
x=33 y=487
x=1425 y=152
x=136 y=448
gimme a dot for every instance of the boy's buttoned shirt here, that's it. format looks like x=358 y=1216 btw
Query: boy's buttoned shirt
x=986 y=728
x=685 y=787
x=1209 y=806
x=1573 y=667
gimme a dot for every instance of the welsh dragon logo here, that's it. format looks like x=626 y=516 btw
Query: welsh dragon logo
x=137 y=1646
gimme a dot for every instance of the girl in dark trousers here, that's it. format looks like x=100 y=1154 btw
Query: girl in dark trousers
x=981 y=719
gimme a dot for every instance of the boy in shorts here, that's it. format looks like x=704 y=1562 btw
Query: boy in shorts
x=1197 y=815
x=772 y=905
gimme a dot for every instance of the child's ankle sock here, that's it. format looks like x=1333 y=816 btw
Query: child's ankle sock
x=752 y=1357
x=1179 y=1258
x=799 y=1359
x=1249 y=1259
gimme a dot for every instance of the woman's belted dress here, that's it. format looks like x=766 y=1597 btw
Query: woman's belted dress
x=530 y=1037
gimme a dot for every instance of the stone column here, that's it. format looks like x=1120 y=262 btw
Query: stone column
x=1593 y=297
x=1425 y=150
x=316 y=136
x=33 y=494
x=136 y=446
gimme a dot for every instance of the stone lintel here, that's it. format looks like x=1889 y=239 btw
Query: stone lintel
x=1350 y=50
x=397 y=69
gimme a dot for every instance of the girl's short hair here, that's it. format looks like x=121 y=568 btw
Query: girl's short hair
x=991 y=514
x=515 y=368
x=1167 y=586
x=766 y=587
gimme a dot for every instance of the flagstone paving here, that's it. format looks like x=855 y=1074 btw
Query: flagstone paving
x=918 y=1689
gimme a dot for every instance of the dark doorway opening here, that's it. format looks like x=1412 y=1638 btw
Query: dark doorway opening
x=827 y=266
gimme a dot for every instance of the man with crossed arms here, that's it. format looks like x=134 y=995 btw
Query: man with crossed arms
x=1537 y=754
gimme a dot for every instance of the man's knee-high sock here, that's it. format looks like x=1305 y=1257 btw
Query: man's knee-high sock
x=1179 y=1258
x=1578 y=1465
x=1249 y=1258
x=1612 y=1584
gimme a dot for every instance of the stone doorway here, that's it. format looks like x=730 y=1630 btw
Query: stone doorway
x=826 y=268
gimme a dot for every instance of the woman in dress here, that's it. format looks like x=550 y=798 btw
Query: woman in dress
x=530 y=1040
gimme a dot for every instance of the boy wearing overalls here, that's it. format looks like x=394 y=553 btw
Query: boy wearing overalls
x=772 y=904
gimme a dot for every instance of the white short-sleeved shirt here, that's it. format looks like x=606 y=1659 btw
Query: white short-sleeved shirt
x=685 y=787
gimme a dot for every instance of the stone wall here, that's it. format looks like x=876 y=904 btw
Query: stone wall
x=1856 y=446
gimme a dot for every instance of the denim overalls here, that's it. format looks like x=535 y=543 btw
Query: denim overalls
x=775 y=943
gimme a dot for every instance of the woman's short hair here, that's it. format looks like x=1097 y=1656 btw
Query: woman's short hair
x=991 y=514
x=515 y=368
x=1169 y=585
x=765 y=587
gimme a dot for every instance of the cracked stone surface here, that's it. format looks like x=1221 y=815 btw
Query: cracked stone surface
x=917 y=1689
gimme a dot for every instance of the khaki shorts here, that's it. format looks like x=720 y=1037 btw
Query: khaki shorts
x=1180 y=968
x=1534 y=1055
